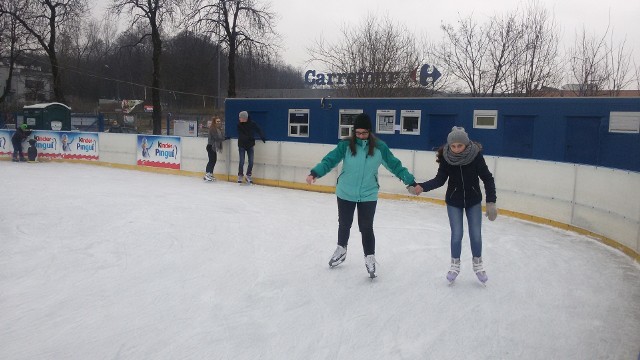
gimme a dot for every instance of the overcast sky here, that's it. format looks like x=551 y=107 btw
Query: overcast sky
x=302 y=22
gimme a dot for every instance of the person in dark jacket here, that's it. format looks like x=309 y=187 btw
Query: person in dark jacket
x=115 y=127
x=21 y=134
x=246 y=142
x=361 y=156
x=32 y=151
x=461 y=162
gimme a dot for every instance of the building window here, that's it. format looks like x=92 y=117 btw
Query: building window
x=299 y=122
x=485 y=119
x=385 y=121
x=346 y=120
x=410 y=122
x=624 y=122
x=34 y=90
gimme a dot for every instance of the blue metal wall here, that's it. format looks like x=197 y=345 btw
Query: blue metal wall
x=572 y=130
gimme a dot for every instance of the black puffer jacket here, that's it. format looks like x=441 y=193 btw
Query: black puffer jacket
x=245 y=134
x=463 y=189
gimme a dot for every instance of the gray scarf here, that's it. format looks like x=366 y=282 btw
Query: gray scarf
x=465 y=157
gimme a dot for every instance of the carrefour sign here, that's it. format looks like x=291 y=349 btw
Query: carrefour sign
x=424 y=75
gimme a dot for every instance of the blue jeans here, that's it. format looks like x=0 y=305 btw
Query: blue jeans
x=474 y=220
x=249 y=152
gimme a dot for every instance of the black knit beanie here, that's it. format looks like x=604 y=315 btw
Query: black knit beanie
x=362 y=122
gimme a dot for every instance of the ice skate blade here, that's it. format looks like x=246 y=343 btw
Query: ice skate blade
x=332 y=265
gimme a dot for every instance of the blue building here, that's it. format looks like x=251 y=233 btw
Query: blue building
x=586 y=130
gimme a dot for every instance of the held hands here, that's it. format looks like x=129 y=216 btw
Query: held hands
x=415 y=190
x=492 y=211
x=310 y=179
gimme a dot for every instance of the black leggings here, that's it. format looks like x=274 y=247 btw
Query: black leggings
x=213 y=158
x=366 y=212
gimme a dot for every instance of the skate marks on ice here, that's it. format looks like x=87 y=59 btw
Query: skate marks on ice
x=165 y=267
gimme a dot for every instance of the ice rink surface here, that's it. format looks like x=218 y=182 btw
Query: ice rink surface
x=105 y=263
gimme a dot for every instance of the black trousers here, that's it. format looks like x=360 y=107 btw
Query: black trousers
x=17 y=148
x=366 y=212
x=213 y=158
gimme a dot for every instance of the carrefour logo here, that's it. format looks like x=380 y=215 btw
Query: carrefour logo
x=424 y=75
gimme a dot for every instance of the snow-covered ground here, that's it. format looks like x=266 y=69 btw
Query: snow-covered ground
x=104 y=263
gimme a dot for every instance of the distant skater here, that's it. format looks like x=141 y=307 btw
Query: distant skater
x=214 y=146
x=246 y=142
x=21 y=134
x=32 y=152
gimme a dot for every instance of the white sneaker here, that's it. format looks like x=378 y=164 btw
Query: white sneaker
x=208 y=177
x=338 y=256
x=370 y=264
x=454 y=270
x=478 y=268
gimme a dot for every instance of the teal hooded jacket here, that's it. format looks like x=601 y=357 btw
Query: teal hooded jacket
x=358 y=180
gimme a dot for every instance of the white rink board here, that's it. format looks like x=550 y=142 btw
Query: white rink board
x=543 y=178
x=595 y=186
x=601 y=200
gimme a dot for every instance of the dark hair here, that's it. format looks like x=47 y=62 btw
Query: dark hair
x=373 y=141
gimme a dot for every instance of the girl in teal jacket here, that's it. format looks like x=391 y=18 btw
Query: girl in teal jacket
x=357 y=186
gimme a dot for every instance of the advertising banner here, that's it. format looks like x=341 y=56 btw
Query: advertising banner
x=79 y=145
x=185 y=128
x=158 y=151
x=48 y=143
x=6 y=148
x=55 y=144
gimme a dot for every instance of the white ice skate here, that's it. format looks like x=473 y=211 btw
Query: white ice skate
x=454 y=270
x=370 y=264
x=338 y=256
x=479 y=270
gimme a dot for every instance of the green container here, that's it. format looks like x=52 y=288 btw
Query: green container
x=49 y=116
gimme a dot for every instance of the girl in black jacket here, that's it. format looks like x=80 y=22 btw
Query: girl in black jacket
x=462 y=163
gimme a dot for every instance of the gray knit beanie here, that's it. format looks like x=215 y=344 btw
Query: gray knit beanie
x=458 y=135
x=243 y=115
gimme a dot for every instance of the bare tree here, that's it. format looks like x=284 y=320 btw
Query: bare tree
x=43 y=19
x=374 y=59
x=511 y=54
x=151 y=14
x=464 y=54
x=619 y=64
x=587 y=64
x=637 y=76
x=504 y=34
x=240 y=25
x=597 y=65
x=13 y=42
x=537 y=61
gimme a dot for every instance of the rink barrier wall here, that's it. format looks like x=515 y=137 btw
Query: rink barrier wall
x=601 y=203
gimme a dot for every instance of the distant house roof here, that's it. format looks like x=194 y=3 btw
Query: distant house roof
x=44 y=105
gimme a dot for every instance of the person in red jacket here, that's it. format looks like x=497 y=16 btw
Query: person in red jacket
x=462 y=164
